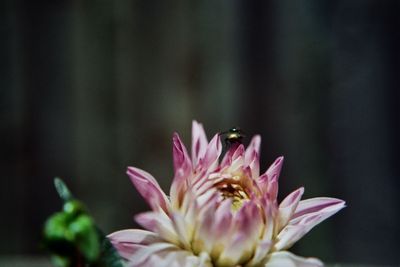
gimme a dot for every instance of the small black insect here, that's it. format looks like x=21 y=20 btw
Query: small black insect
x=233 y=136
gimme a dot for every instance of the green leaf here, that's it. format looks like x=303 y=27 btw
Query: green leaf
x=87 y=239
x=62 y=190
x=56 y=228
x=72 y=236
x=74 y=208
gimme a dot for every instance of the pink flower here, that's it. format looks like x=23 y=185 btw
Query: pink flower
x=220 y=213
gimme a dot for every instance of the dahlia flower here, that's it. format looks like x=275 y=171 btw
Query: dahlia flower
x=219 y=212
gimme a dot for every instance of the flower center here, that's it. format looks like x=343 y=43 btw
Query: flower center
x=234 y=189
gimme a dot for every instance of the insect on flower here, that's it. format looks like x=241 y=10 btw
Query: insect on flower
x=220 y=212
x=233 y=136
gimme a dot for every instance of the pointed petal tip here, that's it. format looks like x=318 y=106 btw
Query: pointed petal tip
x=325 y=205
x=216 y=141
x=341 y=204
x=196 y=124
x=257 y=136
x=136 y=174
x=175 y=137
x=139 y=175
x=199 y=142
x=148 y=188
x=255 y=142
x=180 y=155
x=130 y=169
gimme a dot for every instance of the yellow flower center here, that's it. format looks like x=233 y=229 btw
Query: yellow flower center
x=235 y=189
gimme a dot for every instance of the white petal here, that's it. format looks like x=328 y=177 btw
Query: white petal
x=306 y=219
x=287 y=259
x=165 y=255
x=235 y=251
x=204 y=236
x=160 y=223
x=143 y=255
x=181 y=229
x=261 y=252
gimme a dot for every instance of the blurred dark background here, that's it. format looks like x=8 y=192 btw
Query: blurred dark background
x=90 y=87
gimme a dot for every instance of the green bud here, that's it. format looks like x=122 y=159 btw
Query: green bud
x=87 y=237
x=56 y=228
x=73 y=207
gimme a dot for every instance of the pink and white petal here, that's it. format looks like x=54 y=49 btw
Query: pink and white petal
x=255 y=166
x=210 y=160
x=221 y=228
x=235 y=252
x=199 y=177
x=252 y=221
x=287 y=259
x=199 y=142
x=269 y=215
x=237 y=159
x=234 y=154
x=183 y=171
x=126 y=250
x=317 y=204
x=148 y=188
x=168 y=259
x=274 y=170
x=227 y=158
x=190 y=260
x=243 y=236
x=129 y=241
x=176 y=258
x=271 y=176
x=148 y=220
x=301 y=225
x=137 y=236
x=160 y=223
x=288 y=207
x=261 y=252
x=206 y=194
x=182 y=229
x=272 y=190
x=190 y=211
x=223 y=211
x=262 y=182
x=181 y=157
x=323 y=213
x=254 y=146
x=203 y=235
x=143 y=256
x=289 y=235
